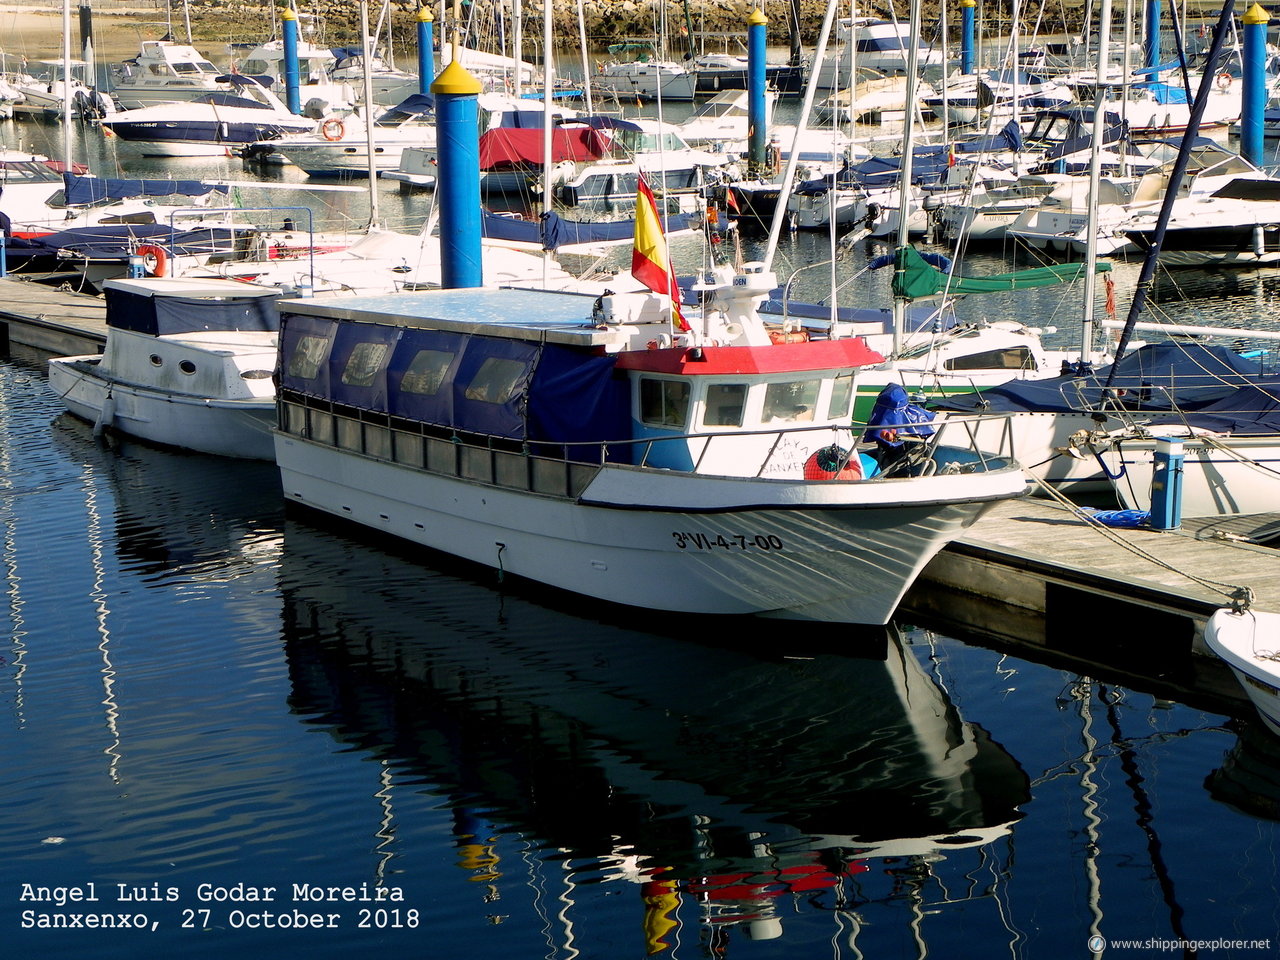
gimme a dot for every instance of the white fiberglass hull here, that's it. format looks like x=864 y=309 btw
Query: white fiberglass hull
x=824 y=551
x=1221 y=476
x=226 y=428
x=1248 y=642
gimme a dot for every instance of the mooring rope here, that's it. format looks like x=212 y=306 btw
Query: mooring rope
x=1241 y=597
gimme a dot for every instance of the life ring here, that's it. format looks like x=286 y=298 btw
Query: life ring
x=155 y=260
x=333 y=129
x=1224 y=81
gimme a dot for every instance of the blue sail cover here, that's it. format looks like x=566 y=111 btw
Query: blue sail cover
x=1249 y=411
x=553 y=231
x=90 y=190
x=514 y=389
x=1193 y=374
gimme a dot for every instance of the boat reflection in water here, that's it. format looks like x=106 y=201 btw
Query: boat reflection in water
x=696 y=771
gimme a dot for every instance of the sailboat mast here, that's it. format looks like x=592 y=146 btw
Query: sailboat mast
x=908 y=141
x=367 y=58
x=1095 y=183
x=66 y=88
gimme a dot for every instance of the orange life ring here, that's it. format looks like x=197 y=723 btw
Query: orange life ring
x=155 y=260
x=332 y=129
x=1224 y=81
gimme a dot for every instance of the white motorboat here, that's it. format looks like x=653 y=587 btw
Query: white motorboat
x=318 y=92
x=339 y=146
x=389 y=83
x=164 y=72
x=211 y=125
x=187 y=364
x=642 y=75
x=580 y=442
x=646 y=147
x=991 y=96
x=44 y=96
x=1249 y=642
x=879 y=45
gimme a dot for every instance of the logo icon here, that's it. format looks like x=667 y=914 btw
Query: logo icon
x=1097 y=944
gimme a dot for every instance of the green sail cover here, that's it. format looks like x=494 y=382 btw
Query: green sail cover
x=913 y=278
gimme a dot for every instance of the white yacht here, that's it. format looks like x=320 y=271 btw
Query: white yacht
x=164 y=72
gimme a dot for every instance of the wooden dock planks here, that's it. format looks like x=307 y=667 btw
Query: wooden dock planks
x=58 y=322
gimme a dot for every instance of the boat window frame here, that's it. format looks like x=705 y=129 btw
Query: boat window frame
x=665 y=420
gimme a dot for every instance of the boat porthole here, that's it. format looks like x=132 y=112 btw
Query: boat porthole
x=156 y=361
x=186 y=366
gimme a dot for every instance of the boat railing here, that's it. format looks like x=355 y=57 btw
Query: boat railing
x=565 y=468
x=288 y=225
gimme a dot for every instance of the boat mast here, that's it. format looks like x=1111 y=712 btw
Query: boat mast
x=67 y=133
x=904 y=186
x=1095 y=183
x=367 y=56
x=1175 y=179
x=548 y=80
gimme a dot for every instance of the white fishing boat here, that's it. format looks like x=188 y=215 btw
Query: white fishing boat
x=164 y=72
x=1249 y=642
x=187 y=363
x=879 y=45
x=586 y=444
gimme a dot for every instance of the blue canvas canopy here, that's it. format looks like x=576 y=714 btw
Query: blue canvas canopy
x=417 y=106
x=1193 y=374
x=553 y=231
x=160 y=315
x=516 y=389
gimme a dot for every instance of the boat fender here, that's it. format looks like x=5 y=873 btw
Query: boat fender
x=105 y=415
x=333 y=129
x=155 y=260
x=1224 y=81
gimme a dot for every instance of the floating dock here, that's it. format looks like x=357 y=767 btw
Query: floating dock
x=59 y=322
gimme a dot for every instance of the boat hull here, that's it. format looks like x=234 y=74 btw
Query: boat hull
x=226 y=428
x=813 y=551
x=1220 y=476
x=1244 y=642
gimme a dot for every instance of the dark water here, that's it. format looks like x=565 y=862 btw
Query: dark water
x=206 y=697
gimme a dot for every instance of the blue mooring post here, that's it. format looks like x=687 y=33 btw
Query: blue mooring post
x=1254 y=96
x=1152 y=49
x=1166 y=484
x=292 y=97
x=757 y=122
x=426 y=51
x=457 y=95
x=966 y=35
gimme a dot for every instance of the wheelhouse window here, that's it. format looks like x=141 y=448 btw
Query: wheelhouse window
x=841 y=397
x=308 y=354
x=496 y=380
x=664 y=403
x=426 y=372
x=725 y=404
x=791 y=401
x=1011 y=358
x=364 y=363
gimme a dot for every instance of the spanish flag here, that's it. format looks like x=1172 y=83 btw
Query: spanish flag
x=650 y=262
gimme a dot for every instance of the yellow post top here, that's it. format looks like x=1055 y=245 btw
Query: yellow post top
x=424 y=15
x=968 y=3
x=757 y=19
x=288 y=14
x=455 y=80
x=1255 y=15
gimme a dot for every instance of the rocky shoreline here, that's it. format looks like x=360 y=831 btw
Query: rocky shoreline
x=606 y=21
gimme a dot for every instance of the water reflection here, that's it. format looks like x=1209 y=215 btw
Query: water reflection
x=727 y=777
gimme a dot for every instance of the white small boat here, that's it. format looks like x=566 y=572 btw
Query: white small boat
x=164 y=72
x=195 y=373
x=1249 y=642
x=876 y=44
x=339 y=146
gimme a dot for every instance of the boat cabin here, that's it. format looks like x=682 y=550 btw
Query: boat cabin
x=564 y=377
